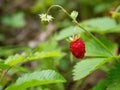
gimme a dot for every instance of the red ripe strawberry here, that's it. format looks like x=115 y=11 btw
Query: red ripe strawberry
x=77 y=47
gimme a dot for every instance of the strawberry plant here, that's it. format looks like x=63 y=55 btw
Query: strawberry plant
x=57 y=67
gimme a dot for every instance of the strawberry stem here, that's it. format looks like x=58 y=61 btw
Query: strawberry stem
x=74 y=32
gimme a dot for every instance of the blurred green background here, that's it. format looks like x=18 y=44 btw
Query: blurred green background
x=20 y=23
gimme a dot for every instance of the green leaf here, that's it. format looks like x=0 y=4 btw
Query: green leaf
x=114 y=78
x=4 y=66
x=66 y=32
x=37 y=78
x=41 y=55
x=100 y=25
x=114 y=29
x=24 y=57
x=114 y=86
x=87 y=66
x=101 y=85
x=52 y=43
x=18 y=69
x=14 y=20
x=16 y=59
x=99 y=8
x=93 y=48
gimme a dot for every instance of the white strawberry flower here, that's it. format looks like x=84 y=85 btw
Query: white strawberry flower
x=45 y=19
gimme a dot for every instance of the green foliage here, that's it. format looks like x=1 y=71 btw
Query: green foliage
x=41 y=55
x=43 y=51
x=114 y=78
x=41 y=5
x=3 y=66
x=24 y=57
x=69 y=30
x=14 y=20
x=100 y=86
x=100 y=25
x=52 y=43
x=18 y=69
x=16 y=59
x=112 y=82
x=95 y=49
x=87 y=66
x=36 y=79
x=10 y=50
x=98 y=6
x=101 y=7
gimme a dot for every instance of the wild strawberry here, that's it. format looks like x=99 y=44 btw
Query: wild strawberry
x=77 y=47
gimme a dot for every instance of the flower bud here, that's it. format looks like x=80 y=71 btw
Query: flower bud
x=74 y=14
